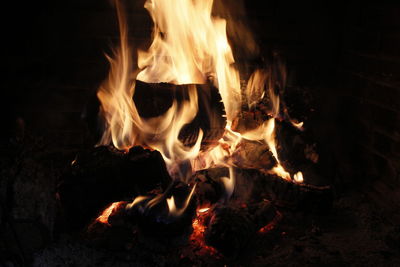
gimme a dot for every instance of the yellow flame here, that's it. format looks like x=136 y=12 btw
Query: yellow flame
x=124 y=127
x=190 y=46
x=203 y=210
x=255 y=89
x=229 y=183
x=173 y=210
x=136 y=201
x=298 y=177
x=227 y=145
x=298 y=125
x=115 y=94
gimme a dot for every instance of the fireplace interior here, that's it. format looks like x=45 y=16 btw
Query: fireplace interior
x=71 y=195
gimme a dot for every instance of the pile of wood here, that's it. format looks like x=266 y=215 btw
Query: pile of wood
x=102 y=176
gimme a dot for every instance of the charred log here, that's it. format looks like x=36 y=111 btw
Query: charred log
x=231 y=228
x=288 y=194
x=101 y=176
x=256 y=185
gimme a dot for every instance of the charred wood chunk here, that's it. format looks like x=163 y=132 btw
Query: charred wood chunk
x=250 y=120
x=230 y=227
x=252 y=154
x=209 y=189
x=308 y=198
x=111 y=229
x=229 y=230
x=296 y=147
x=101 y=176
x=262 y=213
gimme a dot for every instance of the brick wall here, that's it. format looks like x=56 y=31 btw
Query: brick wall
x=370 y=96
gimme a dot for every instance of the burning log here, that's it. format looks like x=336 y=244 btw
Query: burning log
x=231 y=227
x=257 y=185
x=102 y=175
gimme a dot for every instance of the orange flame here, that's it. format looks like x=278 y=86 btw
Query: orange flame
x=190 y=46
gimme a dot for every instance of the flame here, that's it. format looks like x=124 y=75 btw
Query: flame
x=190 y=46
x=259 y=84
x=298 y=125
x=203 y=210
x=173 y=210
x=255 y=89
x=219 y=155
x=125 y=128
x=229 y=183
x=298 y=177
x=115 y=94
x=136 y=201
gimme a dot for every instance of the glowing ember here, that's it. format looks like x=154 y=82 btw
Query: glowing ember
x=103 y=218
x=270 y=226
x=199 y=228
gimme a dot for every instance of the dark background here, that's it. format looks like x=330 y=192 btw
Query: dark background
x=344 y=53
